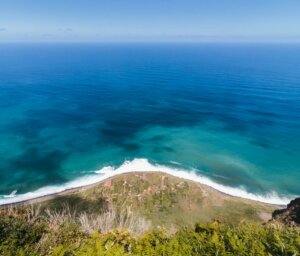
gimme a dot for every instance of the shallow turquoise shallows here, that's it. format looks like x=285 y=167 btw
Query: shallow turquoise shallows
x=229 y=112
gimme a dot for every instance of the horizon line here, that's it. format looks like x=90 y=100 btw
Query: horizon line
x=158 y=41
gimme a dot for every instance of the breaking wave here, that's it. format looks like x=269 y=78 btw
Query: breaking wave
x=142 y=165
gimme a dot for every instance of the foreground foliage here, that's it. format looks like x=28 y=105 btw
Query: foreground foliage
x=57 y=233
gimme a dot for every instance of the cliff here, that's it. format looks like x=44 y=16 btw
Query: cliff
x=289 y=216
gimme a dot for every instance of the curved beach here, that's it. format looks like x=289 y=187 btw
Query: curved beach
x=138 y=166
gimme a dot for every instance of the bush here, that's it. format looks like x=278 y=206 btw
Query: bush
x=60 y=233
x=17 y=234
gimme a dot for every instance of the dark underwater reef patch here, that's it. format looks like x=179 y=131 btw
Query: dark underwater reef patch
x=36 y=160
x=38 y=167
x=262 y=142
x=29 y=127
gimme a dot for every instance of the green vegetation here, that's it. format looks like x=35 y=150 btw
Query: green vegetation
x=144 y=214
x=164 y=200
x=24 y=233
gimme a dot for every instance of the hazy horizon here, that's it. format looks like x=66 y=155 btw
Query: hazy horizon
x=176 y=21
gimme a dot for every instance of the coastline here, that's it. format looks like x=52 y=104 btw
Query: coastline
x=108 y=173
x=134 y=166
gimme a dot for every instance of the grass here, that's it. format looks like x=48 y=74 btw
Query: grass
x=144 y=214
x=163 y=199
x=64 y=233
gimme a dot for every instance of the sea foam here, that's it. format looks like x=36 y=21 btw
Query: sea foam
x=143 y=165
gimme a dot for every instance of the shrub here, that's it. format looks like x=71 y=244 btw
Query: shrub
x=65 y=233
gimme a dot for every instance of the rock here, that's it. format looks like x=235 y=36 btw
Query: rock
x=289 y=216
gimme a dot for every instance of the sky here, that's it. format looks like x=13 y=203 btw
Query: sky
x=149 y=20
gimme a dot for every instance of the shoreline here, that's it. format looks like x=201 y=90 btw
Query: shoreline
x=141 y=165
x=45 y=198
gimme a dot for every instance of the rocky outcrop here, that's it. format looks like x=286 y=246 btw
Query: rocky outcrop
x=289 y=216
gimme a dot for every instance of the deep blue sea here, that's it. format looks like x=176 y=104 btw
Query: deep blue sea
x=228 y=112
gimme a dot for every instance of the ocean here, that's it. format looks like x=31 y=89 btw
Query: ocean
x=227 y=115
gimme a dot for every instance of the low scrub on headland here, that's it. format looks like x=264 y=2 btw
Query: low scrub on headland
x=31 y=231
x=148 y=214
x=163 y=199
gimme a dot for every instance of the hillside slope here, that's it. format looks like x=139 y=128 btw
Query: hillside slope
x=144 y=214
x=163 y=199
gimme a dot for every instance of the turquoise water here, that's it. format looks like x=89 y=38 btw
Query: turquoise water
x=229 y=112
